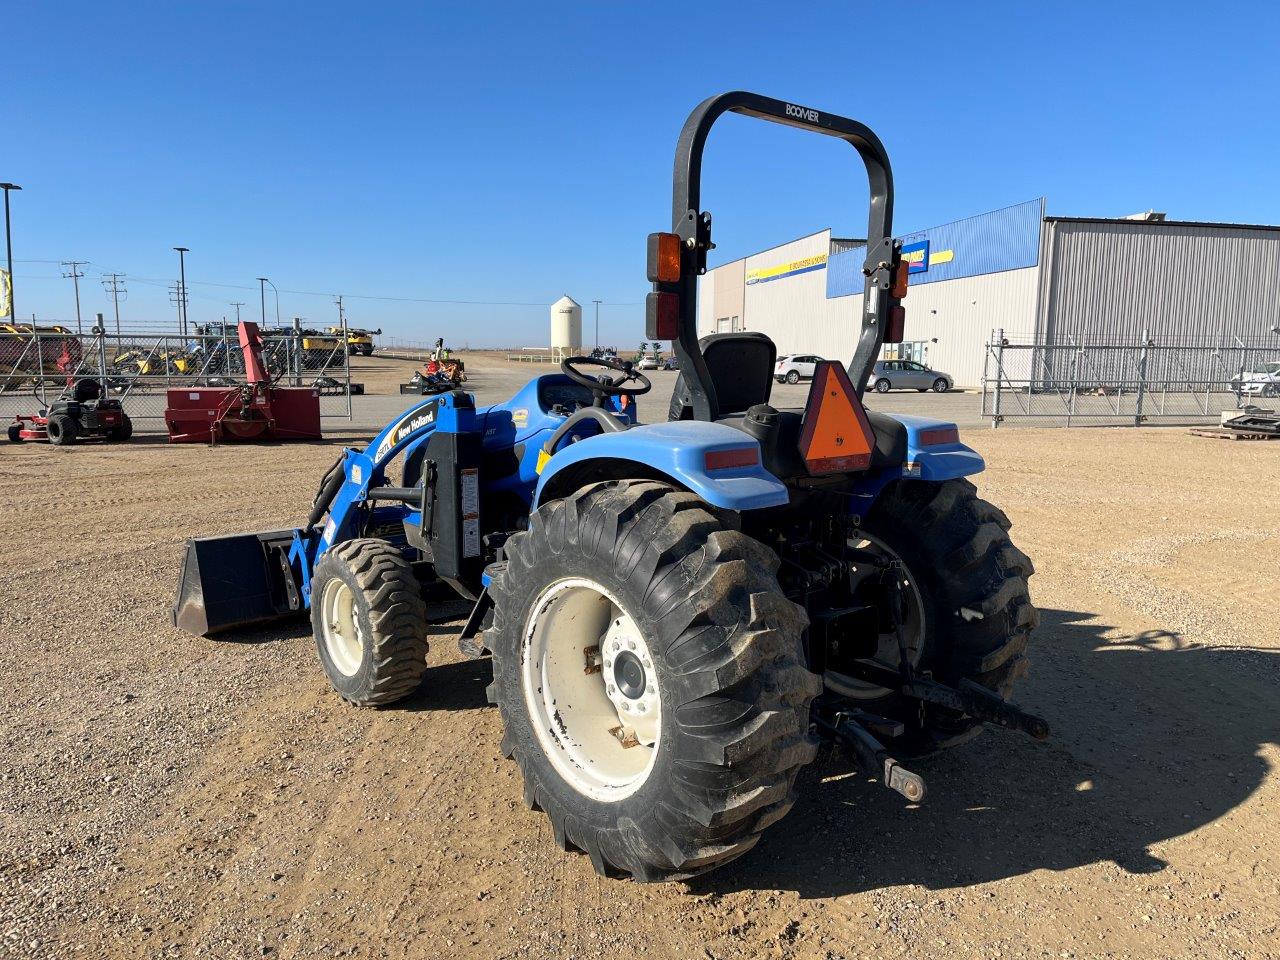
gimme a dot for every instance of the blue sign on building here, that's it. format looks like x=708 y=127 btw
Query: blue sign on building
x=917 y=256
x=1007 y=239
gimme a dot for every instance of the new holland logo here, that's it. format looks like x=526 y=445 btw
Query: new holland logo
x=802 y=113
x=414 y=420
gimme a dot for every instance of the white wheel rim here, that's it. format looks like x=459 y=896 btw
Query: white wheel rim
x=343 y=638
x=887 y=644
x=591 y=688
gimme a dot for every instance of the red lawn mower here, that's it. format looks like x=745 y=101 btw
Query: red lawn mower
x=85 y=415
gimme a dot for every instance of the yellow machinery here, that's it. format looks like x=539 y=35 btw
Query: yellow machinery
x=359 y=342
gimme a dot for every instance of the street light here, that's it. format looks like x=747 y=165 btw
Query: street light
x=182 y=289
x=8 y=243
x=262 y=290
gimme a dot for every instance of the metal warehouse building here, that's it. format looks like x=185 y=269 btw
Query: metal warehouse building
x=1047 y=280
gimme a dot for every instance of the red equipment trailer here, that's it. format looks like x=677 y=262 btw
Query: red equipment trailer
x=255 y=410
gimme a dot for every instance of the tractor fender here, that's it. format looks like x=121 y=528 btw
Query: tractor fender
x=677 y=451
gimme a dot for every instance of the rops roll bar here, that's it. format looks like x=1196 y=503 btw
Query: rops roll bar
x=694 y=230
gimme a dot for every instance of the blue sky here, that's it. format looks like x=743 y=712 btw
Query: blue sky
x=507 y=153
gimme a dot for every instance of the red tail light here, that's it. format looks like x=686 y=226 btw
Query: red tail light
x=662 y=316
x=728 y=459
x=938 y=436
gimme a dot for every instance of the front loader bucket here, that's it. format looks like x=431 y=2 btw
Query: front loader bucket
x=229 y=583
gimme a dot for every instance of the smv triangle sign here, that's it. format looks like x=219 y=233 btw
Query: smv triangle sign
x=836 y=437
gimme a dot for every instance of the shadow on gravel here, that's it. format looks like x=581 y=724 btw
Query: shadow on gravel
x=451 y=686
x=1153 y=737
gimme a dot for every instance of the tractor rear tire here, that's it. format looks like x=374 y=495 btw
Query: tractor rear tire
x=369 y=621
x=972 y=585
x=720 y=644
x=123 y=431
x=62 y=429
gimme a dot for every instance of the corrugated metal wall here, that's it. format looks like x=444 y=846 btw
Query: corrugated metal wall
x=1107 y=282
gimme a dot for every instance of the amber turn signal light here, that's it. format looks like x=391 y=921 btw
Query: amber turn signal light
x=664 y=258
x=900 y=274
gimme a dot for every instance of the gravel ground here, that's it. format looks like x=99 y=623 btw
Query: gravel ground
x=167 y=796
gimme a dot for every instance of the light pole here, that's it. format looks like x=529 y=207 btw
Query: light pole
x=182 y=289
x=597 y=303
x=262 y=281
x=8 y=243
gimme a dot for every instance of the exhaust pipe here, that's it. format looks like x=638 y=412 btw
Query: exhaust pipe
x=230 y=583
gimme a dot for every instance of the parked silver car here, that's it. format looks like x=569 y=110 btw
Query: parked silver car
x=889 y=375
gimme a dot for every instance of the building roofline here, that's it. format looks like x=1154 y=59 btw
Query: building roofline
x=748 y=256
x=1166 y=223
x=973 y=216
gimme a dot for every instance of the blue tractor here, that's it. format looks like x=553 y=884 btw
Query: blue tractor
x=677 y=612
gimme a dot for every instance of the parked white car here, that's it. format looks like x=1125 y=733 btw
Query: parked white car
x=1263 y=381
x=795 y=367
x=649 y=362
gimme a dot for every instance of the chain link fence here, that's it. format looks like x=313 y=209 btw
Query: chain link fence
x=1119 y=383
x=36 y=367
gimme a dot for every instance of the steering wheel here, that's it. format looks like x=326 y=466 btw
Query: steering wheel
x=606 y=387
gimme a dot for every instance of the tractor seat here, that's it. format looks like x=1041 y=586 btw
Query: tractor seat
x=741 y=367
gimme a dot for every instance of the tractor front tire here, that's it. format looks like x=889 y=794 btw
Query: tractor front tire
x=369 y=621
x=971 y=582
x=15 y=433
x=62 y=429
x=651 y=680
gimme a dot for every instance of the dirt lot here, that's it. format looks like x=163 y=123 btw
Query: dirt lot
x=165 y=796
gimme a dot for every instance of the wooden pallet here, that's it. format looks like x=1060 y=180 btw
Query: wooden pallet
x=1220 y=433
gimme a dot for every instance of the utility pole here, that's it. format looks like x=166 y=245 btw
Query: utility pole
x=237 y=306
x=597 y=303
x=73 y=271
x=8 y=245
x=113 y=284
x=176 y=296
x=182 y=291
x=342 y=319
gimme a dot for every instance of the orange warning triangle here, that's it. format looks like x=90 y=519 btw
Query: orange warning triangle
x=836 y=437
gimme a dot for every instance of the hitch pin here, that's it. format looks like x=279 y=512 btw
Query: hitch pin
x=899 y=778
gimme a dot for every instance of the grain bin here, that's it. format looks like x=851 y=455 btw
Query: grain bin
x=566 y=325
